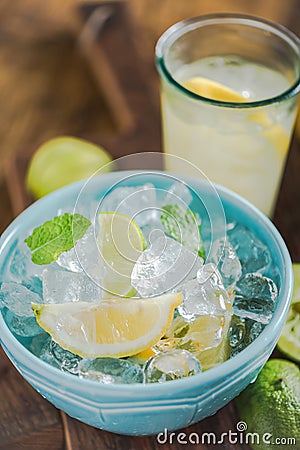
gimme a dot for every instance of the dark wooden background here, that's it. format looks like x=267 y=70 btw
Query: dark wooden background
x=55 y=79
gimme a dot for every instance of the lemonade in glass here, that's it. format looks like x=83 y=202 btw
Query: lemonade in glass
x=230 y=87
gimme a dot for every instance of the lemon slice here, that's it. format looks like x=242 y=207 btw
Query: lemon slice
x=274 y=133
x=61 y=161
x=142 y=357
x=120 y=242
x=111 y=328
x=289 y=341
x=213 y=89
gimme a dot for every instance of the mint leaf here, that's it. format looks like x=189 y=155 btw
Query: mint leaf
x=183 y=224
x=56 y=236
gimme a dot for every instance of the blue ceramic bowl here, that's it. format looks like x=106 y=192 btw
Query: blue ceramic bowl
x=149 y=409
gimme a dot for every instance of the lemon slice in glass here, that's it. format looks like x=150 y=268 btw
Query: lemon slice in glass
x=214 y=90
x=63 y=160
x=110 y=328
x=289 y=341
x=120 y=242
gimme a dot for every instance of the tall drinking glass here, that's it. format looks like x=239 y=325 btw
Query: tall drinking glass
x=230 y=86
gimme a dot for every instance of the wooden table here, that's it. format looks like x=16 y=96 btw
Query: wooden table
x=126 y=122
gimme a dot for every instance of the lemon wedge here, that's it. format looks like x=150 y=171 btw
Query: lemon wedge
x=110 y=328
x=213 y=89
x=120 y=242
x=142 y=357
x=273 y=132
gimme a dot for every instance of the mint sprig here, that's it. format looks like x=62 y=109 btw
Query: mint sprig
x=56 y=236
x=183 y=224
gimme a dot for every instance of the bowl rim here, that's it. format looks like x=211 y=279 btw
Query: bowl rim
x=256 y=351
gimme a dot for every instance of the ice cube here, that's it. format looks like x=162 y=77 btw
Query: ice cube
x=49 y=351
x=252 y=253
x=110 y=370
x=242 y=332
x=178 y=193
x=171 y=365
x=18 y=298
x=183 y=225
x=201 y=334
x=21 y=264
x=23 y=326
x=138 y=202
x=60 y=286
x=204 y=295
x=83 y=205
x=153 y=228
x=163 y=266
x=255 y=329
x=66 y=360
x=84 y=257
x=237 y=332
x=39 y=342
x=223 y=255
x=44 y=352
x=255 y=297
x=22 y=270
x=69 y=260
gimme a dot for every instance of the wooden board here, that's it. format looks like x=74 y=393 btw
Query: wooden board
x=107 y=41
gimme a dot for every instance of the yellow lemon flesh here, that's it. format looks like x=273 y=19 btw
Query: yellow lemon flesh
x=120 y=242
x=274 y=133
x=142 y=357
x=213 y=89
x=110 y=328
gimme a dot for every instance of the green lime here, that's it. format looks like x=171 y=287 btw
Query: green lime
x=271 y=407
x=61 y=161
x=296 y=292
x=121 y=242
x=289 y=341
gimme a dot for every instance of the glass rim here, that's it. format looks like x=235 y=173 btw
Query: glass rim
x=180 y=28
